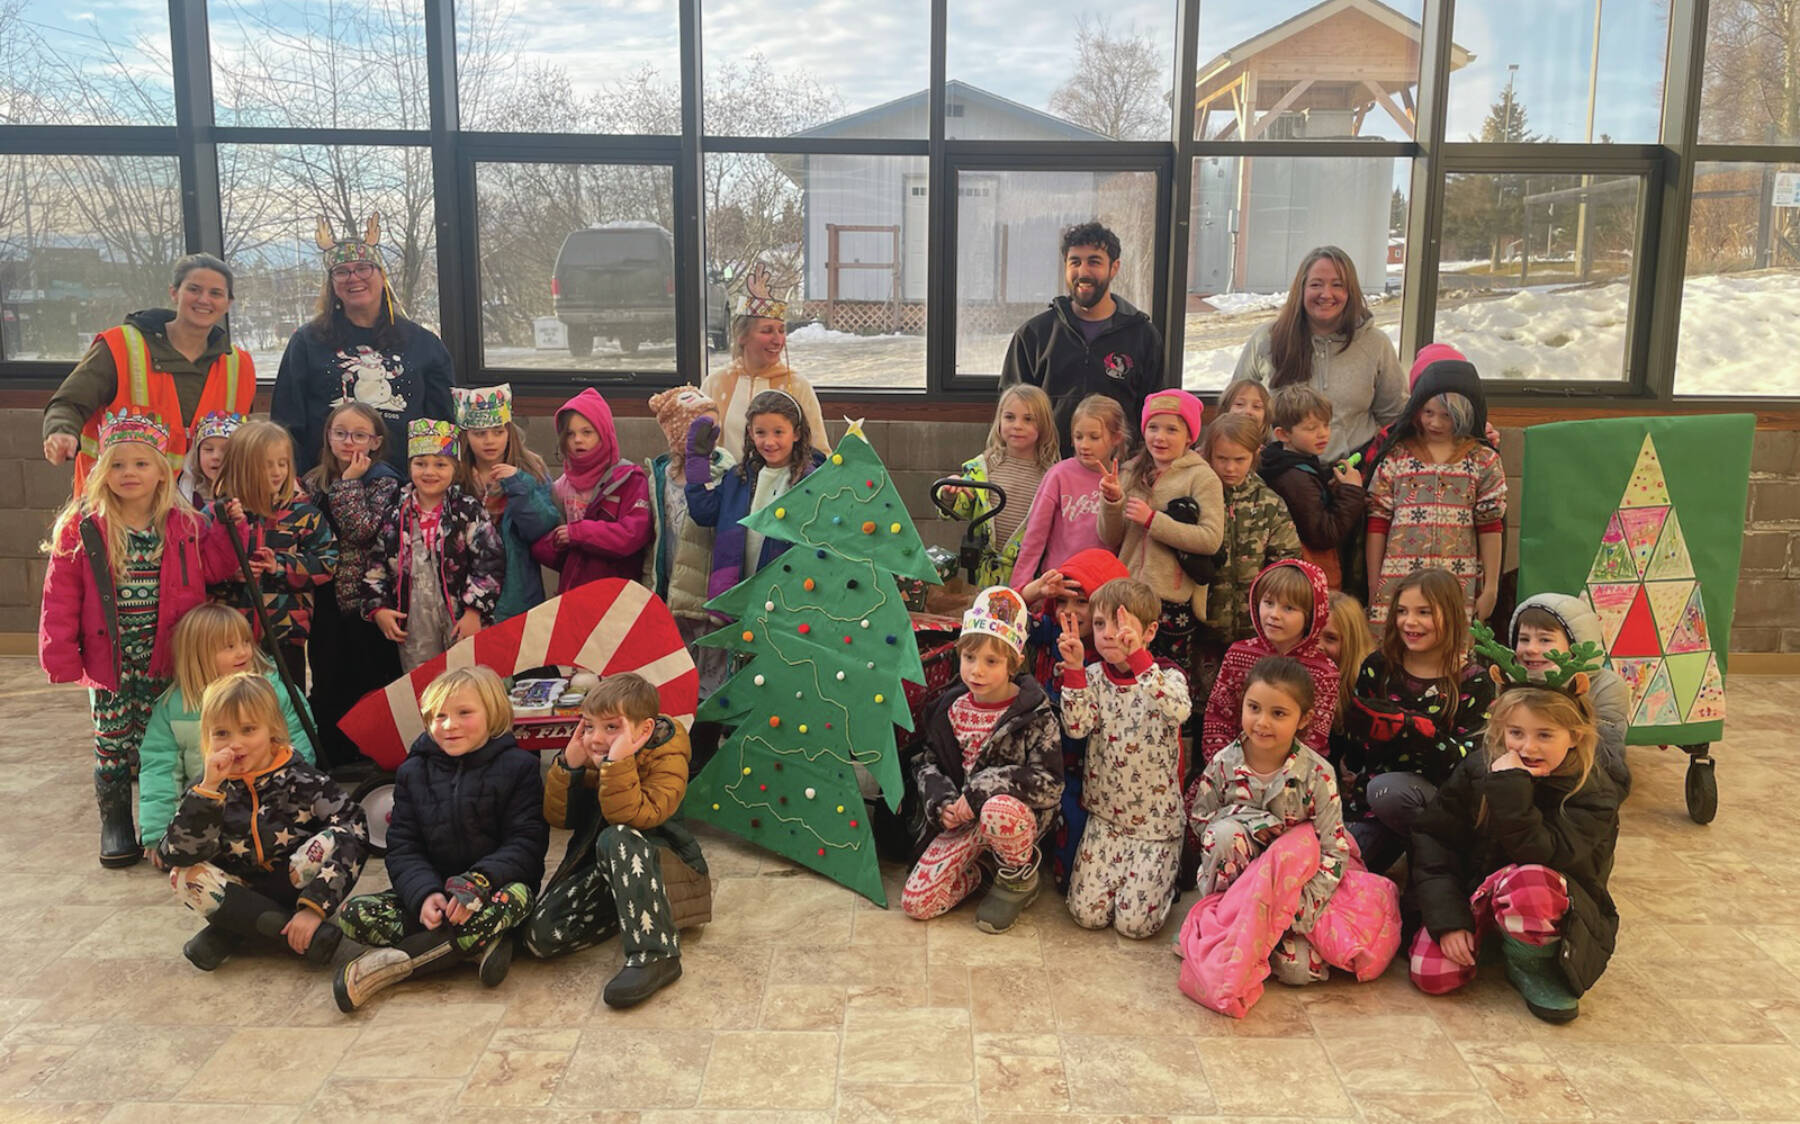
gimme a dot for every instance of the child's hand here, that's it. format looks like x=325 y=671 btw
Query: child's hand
x=435 y=911
x=1346 y=474
x=1126 y=633
x=1459 y=947
x=626 y=744
x=1139 y=512
x=576 y=753
x=60 y=448
x=1507 y=760
x=957 y=814
x=300 y=929
x=359 y=464
x=1068 y=645
x=155 y=859
x=502 y=470
x=218 y=766
x=262 y=561
x=1484 y=601
x=234 y=509
x=388 y=621
x=1055 y=586
x=1109 y=483
x=560 y=536
x=467 y=625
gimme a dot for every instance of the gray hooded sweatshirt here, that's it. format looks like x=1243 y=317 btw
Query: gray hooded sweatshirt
x=1607 y=692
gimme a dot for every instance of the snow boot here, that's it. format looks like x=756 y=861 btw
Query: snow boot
x=421 y=954
x=1535 y=972
x=210 y=947
x=638 y=982
x=118 y=834
x=496 y=960
x=1009 y=897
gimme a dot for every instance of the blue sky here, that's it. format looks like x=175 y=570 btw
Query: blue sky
x=874 y=50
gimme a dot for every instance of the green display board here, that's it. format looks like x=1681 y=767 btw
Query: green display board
x=1643 y=518
x=829 y=643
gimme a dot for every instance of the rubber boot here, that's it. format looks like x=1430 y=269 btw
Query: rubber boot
x=380 y=968
x=1536 y=973
x=496 y=960
x=1010 y=896
x=118 y=834
x=638 y=982
x=210 y=947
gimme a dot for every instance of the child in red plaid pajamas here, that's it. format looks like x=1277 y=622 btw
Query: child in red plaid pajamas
x=1520 y=840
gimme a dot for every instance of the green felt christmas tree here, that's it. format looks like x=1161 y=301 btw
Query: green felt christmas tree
x=830 y=644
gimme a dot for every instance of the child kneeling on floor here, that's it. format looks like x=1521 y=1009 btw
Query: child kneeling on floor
x=1130 y=708
x=991 y=776
x=263 y=845
x=466 y=845
x=630 y=869
x=1520 y=839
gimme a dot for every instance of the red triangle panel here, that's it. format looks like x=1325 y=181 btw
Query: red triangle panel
x=1638 y=635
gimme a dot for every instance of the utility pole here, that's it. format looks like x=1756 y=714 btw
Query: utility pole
x=1583 y=248
x=1506 y=136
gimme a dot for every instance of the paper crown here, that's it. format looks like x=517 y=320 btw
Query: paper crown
x=431 y=437
x=132 y=425
x=483 y=407
x=338 y=251
x=757 y=301
x=1000 y=612
x=1570 y=675
x=217 y=424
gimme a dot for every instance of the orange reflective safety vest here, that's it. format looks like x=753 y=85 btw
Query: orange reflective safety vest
x=230 y=387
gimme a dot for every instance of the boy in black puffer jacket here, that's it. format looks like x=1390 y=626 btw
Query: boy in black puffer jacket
x=465 y=845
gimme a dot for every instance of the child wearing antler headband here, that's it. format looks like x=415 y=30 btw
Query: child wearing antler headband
x=1520 y=841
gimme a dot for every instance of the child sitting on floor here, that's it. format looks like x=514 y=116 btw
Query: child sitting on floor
x=990 y=776
x=262 y=845
x=617 y=787
x=466 y=845
x=1131 y=710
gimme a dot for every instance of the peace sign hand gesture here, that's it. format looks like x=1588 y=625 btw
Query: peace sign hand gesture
x=1109 y=483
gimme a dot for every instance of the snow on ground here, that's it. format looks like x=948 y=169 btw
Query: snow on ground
x=1737 y=334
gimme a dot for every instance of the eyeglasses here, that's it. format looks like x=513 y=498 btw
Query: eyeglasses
x=353 y=269
x=354 y=440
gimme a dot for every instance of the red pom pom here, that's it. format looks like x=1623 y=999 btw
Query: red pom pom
x=805 y=628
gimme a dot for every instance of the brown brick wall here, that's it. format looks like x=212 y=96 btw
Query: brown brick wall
x=1768 y=604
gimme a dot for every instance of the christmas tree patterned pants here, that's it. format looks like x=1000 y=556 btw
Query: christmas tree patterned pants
x=950 y=868
x=622 y=892
x=1122 y=880
x=380 y=920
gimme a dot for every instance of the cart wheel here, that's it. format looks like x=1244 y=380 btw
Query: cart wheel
x=376 y=796
x=1702 y=788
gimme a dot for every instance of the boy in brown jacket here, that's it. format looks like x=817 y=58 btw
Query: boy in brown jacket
x=630 y=868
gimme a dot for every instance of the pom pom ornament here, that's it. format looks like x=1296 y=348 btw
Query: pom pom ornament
x=800 y=623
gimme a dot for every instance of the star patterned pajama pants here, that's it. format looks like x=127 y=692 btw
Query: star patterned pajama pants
x=950 y=868
x=621 y=892
x=1526 y=902
x=381 y=920
x=1122 y=880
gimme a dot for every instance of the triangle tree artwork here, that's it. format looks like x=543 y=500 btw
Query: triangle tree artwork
x=829 y=642
x=1652 y=608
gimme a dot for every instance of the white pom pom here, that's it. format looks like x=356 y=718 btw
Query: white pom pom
x=811 y=793
x=758 y=681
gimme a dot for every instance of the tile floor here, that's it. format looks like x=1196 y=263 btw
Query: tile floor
x=802 y=1002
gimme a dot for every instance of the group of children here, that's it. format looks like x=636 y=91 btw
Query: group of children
x=1156 y=595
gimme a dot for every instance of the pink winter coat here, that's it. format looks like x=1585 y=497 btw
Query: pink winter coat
x=1227 y=938
x=614 y=530
x=74 y=642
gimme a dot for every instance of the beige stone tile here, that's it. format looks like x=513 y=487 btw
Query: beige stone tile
x=1530 y=1091
x=923 y=1044
x=1109 y=997
x=133 y=1063
x=1639 y=1081
x=65 y=925
x=1135 y=1074
x=781 y=911
x=26 y=1065
x=1426 y=1108
x=288 y=1065
x=1402 y=1054
x=374 y=1100
x=422 y=1041
x=864 y=967
x=54 y=1112
x=1029 y=1045
x=554 y=993
x=1003 y=999
x=551 y=1115
x=520 y=1072
x=1733 y=1022
x=773 y=1069
x=732 y=1116
x=1018 y=1081
x=1761 y=1082
x=625 y=1068
x=1272 y=1076
x=140 y=931
x=802 y=1007
x=871 y=1104
x=188 y=1112
x=954 y=939
x=15 y=1011
x=871 y=925
x=168 y=991
x=1627 y=1005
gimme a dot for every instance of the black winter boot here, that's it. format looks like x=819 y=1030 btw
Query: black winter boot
x=118 y=834
x=638 y=982
x=210 y=947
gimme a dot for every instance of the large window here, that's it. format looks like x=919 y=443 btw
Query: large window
x=273 y=198
x=1009 y=262
x=1534 y=281
x=308 y=65
x=1741 y=297
x=1750 y=92
x=576 y=66
x=1255 y=219
x=83 y=240
x=99 y=63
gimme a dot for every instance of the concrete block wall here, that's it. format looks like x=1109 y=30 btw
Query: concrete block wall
x=1768 y=602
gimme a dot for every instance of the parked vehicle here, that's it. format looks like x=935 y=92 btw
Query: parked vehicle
x=617 y=281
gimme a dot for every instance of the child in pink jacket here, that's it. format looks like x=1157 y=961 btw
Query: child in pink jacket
x=605 y=501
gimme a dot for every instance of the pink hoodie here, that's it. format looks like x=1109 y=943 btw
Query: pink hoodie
x=606 y=503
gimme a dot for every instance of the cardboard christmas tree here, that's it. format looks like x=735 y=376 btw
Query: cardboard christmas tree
x=830 y=645
x=1652 y=607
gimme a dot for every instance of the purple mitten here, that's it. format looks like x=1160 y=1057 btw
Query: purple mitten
x=702 y=436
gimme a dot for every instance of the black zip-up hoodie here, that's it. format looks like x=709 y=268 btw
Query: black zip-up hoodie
x=1125 y=362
